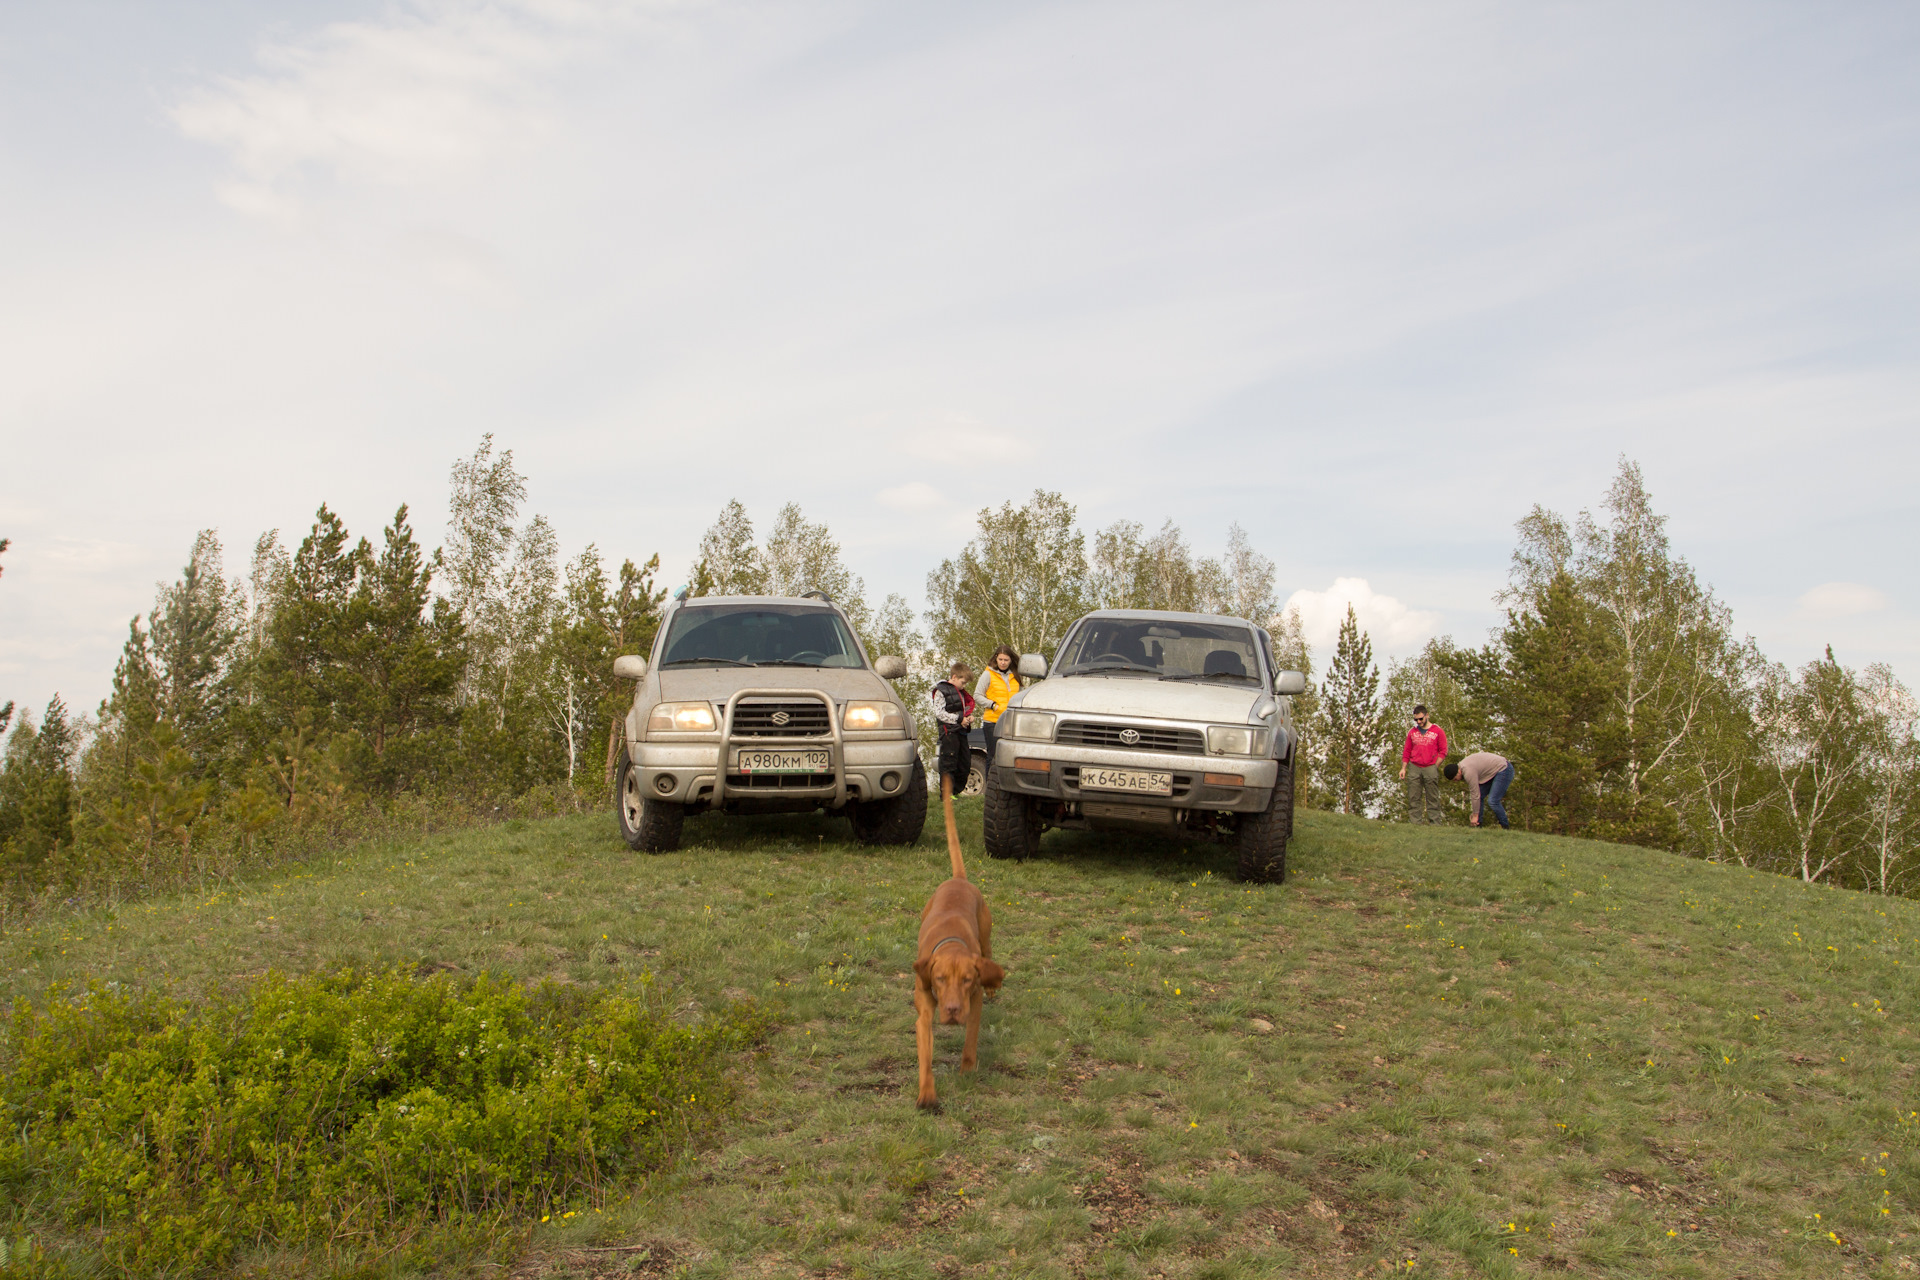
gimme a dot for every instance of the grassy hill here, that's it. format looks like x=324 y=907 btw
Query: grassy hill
x=1438 y=1052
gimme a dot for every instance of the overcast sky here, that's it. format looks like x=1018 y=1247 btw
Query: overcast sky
x=1370 y=280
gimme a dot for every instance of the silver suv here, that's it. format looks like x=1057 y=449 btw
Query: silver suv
x=1174 y=724
x=764 y=704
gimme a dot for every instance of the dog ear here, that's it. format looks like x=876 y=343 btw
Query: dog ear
x=923 y=969
x=991 y=974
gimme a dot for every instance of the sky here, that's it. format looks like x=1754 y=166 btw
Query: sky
x=1369 y=280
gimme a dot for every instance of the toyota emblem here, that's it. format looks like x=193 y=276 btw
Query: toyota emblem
x=1130 y=736
x=780 y=717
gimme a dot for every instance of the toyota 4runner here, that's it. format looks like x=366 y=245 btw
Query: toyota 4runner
x=761 y=704
x=1175 y=724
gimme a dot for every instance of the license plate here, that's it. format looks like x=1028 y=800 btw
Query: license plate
x=1139 y=781
x=781 y=762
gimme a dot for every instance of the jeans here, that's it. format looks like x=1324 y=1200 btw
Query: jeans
x=1492 y=792
x=991 y=728
x=1423 y=793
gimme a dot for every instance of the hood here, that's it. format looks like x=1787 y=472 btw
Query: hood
x=717 y=684
x=1142 y=696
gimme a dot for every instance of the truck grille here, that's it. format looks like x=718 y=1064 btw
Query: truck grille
x=1086 y=733
x=807 y=719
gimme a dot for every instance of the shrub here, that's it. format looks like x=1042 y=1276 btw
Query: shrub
x=347 y=1110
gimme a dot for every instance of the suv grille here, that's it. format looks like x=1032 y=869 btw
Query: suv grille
x=808 y=719
x=1082 y=733
x=778 y=781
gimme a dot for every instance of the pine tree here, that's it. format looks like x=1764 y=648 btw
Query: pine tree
x=1554 y=696
x=596 y=622
x=37 y=793
x=1351 y=720
x=194 y=629
x=400 y=663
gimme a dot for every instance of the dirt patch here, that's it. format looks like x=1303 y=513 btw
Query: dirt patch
x=942 y=1198
x=605 y=1262
x=1115 y=1199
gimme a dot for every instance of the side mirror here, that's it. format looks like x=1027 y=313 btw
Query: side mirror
x=1033 y=666
x=1289 y=682
x=889 y=667
x=630 y=666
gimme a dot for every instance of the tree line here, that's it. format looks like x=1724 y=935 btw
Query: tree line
x=1636 y=712
x=344 y=680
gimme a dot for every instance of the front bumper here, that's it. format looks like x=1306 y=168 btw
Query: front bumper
x=1015 y=769
x=688 y=770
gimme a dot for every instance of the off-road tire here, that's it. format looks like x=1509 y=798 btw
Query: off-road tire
x=898 y=820
x=1010 y=824
x=976 y=774
x=1262 y=837
x=646 y=824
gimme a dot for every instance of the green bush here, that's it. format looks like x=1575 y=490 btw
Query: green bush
x=342 y=1110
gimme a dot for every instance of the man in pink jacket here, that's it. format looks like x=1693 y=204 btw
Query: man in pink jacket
x=1424 y=749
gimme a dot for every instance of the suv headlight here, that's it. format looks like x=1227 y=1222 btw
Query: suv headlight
x=1226 y=740
x=872 y=715
x=680 y=717
x=1035 y=726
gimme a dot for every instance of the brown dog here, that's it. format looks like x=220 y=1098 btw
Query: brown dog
x=955 y=967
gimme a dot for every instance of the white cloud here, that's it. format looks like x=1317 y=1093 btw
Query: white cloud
x=435 y=89
x=1394 y=627
x=1842 y=600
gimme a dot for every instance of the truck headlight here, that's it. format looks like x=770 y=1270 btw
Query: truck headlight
x=872 y=715
x=680 y=717
x=1227 y=740
x=1035 y=726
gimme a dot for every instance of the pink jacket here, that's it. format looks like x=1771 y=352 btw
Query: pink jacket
x=1423 y=749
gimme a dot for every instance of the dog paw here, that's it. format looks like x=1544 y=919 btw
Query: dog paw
x=930 y=1103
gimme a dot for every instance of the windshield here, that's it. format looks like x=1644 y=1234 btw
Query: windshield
x=1158 y=647
x=759 y=635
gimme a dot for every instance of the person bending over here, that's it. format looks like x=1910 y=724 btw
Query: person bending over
x=1487 y=777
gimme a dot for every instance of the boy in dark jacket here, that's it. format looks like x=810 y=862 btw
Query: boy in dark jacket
x=953 y=714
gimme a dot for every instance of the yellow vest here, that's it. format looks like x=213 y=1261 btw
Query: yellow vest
x=1000 y=687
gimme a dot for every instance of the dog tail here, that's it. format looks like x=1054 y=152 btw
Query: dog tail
x=953 y=832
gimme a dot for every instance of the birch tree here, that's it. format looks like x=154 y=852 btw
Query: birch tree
x=1891 y=835
x=1021 y=581
x=1817 y=740
x=730 y=562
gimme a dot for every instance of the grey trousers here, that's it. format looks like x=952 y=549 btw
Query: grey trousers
x=1423 y=792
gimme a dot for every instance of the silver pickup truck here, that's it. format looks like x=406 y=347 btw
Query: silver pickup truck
x=1173 y=724
x=763 y=704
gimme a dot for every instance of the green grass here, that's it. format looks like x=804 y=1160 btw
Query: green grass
x=1490 y=1053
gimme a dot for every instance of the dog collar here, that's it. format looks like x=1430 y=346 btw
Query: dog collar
x=944 y=941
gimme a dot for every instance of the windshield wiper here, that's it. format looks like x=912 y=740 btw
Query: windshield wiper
x=689 y=662
x=784 y=662
x=1208 y=675
x=1112 y=666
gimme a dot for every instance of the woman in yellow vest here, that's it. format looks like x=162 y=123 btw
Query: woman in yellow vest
x=996 y=687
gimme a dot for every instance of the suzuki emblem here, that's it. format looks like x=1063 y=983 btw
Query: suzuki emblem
x=780 y=717
x=1130 y=736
